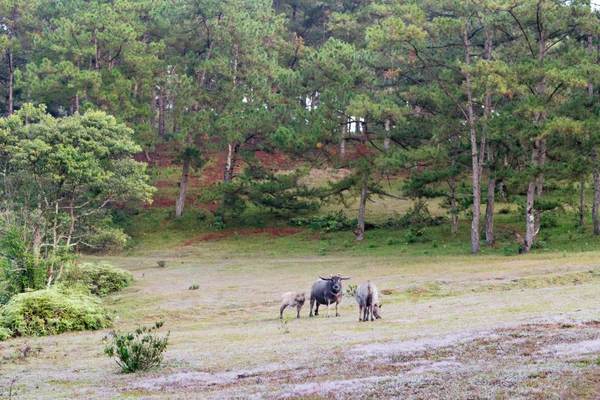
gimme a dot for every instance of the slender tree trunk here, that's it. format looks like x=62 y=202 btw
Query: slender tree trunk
x=582 y=202
x=453 y=207
x=475 y=156
x=153 y=108
x=491 y=200
x=360 y=229
x=180 y=203
x=594 y=156
x=343 y=138
x=386 y=141
x=161 y=114
x=596 y=204
x=230 y=162
x=529 y=210
x=10 y=101
x=538 y=157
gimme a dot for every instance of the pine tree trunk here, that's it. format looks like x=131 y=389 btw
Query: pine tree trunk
x=538 y=157
x=386 y=141
x=161 y=114
x=230 y=162
x=360 y=229
x=453 y=208
x=153 y=108
x=491 y=198
x=529 y=210
x=343 y=138
x=475 y=156
x=10 y=101
x=596 y=204
x=582 y=202
x=180 y=203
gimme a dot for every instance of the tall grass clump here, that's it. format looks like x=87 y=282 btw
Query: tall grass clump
x=50 y=312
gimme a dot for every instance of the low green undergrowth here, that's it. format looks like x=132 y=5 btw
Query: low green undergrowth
x=50 y=312
x=99 y=279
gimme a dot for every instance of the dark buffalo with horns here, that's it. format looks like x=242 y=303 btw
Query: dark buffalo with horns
x=326 y=291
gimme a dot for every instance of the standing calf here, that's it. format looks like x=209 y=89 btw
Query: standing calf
x=292 y=299
x=367 y=297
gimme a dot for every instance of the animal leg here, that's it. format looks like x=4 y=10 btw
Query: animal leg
x=317 y=308
x=328 y=304
x=299 y=306
x=371 y=309
x=365 y=313
x=337 y=314
x=281 y=310
x=360 y=311
x=312 y=303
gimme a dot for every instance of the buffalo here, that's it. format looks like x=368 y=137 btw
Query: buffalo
x=326 y=291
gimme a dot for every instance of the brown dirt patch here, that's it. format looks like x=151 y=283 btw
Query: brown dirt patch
x=227 y=233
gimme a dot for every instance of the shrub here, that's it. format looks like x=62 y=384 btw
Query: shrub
x=548 y=221
x=50 y=312
x=100 y=279
x=138 y=351
x=161 y=263
x=418 y=217
x=195 y=286
x=351 y=290
x=391 y=241
x=334 y=221
x=108 y=240
x=5 y=333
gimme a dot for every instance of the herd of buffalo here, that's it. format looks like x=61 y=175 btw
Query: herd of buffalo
x=328 y=291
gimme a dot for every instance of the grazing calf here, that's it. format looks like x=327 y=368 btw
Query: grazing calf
x=327 y=291
x=367 y=297
x=292 y=299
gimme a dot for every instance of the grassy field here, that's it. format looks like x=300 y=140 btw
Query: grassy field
x=454 y=326
x=497 y=325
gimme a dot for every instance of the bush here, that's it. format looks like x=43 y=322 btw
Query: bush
x=108 y=240
x=100 y=279
x=413 y=218
x=334 y=221
x=50 y=312
x=138 y=351
x=195 y=286
x=5 y=333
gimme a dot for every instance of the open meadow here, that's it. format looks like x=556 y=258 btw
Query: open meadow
x=488 y=326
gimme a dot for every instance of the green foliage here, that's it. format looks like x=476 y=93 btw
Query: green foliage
x=99 y=279
x=138 y=351
x=415 y=217
x=195 y=286
x=5 y=333
x=108 y=239
x=511 y=249
x=50 y=312
x=19 y=268
x=332 y=222
x=351 y=290
x=391 y=241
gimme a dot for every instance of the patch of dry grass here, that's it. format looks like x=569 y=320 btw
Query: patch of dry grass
x=443 y=331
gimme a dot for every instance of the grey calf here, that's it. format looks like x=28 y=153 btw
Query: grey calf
x=367 y=297
x=292 y=299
